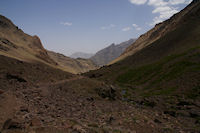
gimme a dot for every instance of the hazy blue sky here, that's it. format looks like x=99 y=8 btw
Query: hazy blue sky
x=69 y=26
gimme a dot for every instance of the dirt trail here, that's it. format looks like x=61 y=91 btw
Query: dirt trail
x=61 y=81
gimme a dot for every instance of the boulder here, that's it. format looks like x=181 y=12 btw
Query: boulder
x=24 y=109
x=172 y=113
x=107 y=92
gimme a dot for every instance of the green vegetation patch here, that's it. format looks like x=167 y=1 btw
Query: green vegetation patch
x=163 y=91
x=145 y=73
x=152 y=76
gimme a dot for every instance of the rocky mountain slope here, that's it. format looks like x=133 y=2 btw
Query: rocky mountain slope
x=75 y=66
x=110 y=53
x=81 y=55
x=19 y=45
x=159 y=31
x=167 y=62
x=16 y=44
x=165 y=75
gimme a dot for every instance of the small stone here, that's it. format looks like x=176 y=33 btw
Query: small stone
x=24 y=109
x=157 y=121
x=172 y=113
x=67 y=124
x=90 y=99
x=111 y=119
x=137 y=121
x=77 y=128
x=36 y=122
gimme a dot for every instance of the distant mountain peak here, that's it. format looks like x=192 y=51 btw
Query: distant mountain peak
x=81 y=55
x=113 y=44
x=111 y=52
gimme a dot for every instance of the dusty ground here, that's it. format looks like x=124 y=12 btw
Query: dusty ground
x=77 y=104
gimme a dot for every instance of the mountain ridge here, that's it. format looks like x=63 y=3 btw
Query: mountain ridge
x=78 y=65
x=152 y=35
x=81 y=55
x=17 y=44
x=106 y=55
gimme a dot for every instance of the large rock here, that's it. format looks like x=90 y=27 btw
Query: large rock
x=107 y=92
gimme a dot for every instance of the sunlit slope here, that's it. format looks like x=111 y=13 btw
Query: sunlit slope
x=159 y=31
x=15 y=43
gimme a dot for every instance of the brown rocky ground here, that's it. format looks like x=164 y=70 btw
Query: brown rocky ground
x=61 y=102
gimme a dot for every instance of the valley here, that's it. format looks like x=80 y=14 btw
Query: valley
x=145 y=85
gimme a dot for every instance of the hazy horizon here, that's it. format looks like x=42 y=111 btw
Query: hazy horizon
x=69 y=26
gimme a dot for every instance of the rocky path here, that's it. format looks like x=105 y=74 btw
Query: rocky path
x=73 y=106
x=61 y=81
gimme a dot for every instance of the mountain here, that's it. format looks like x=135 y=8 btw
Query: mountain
x=78 y=65
x=19 y=45
x=111 y=52
x=81 y=55
x=155 y=34
x=172 y=61
x=161 y=70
